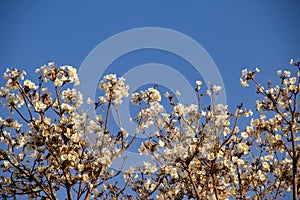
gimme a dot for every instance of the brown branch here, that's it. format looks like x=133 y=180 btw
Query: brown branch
x=194 y=184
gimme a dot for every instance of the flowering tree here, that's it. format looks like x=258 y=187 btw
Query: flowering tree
x=52 y=149
x=48 y=146
x=202 y=153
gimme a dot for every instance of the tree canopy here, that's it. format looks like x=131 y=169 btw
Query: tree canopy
x=50 y=147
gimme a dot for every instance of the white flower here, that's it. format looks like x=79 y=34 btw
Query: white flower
x=73 y=75
x=102 y=99
x=278 y=137
x=216 y=88
x=262 y=176
x=154 y=94
x=167 y=94
x=249 y=129
x=161 y=143
x=114 y=88
x=245 y=72
x=211 y=156
x=179 y=109
x=72 y=96
x=244 y=83
x=67 y=107
x=75 y=138
x=266 y=166
x=226 y=123
x=51 y=64
x=111 y=172
x=80 y=167
x=172 y=171
x=279 y=72
x=85 y=178
x=39 y=106
x=237 y=160
x=244 y=135
x=149 y=167
x=58 y=82
x=6 y=164
x=243 y=148
x=198 y=83
x=287 y=73
x=47 y=120
x=90 y=101
x=293 y=80
x=154 y=110
x=30 y=84
x=130 y=170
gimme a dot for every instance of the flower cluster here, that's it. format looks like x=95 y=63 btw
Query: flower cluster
x=151 y=98
x=47 y=145
x=247 y=76
x=205 y=152
x=59 y=76
x=202 y=152
x=114 y=88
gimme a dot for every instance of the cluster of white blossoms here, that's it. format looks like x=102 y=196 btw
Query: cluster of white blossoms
x=12 y=76
x=148 y=96
x=56 y=147
x=71 y=97
x=151 y=99
x=48 y=146
x=247 y=76
x=114 y=88
x=59 y=76
x=202 y=152
x=184 y=148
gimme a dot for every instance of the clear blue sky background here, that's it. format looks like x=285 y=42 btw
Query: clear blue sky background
x=236 y=34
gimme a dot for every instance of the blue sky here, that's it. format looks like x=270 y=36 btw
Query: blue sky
x=236 y=34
